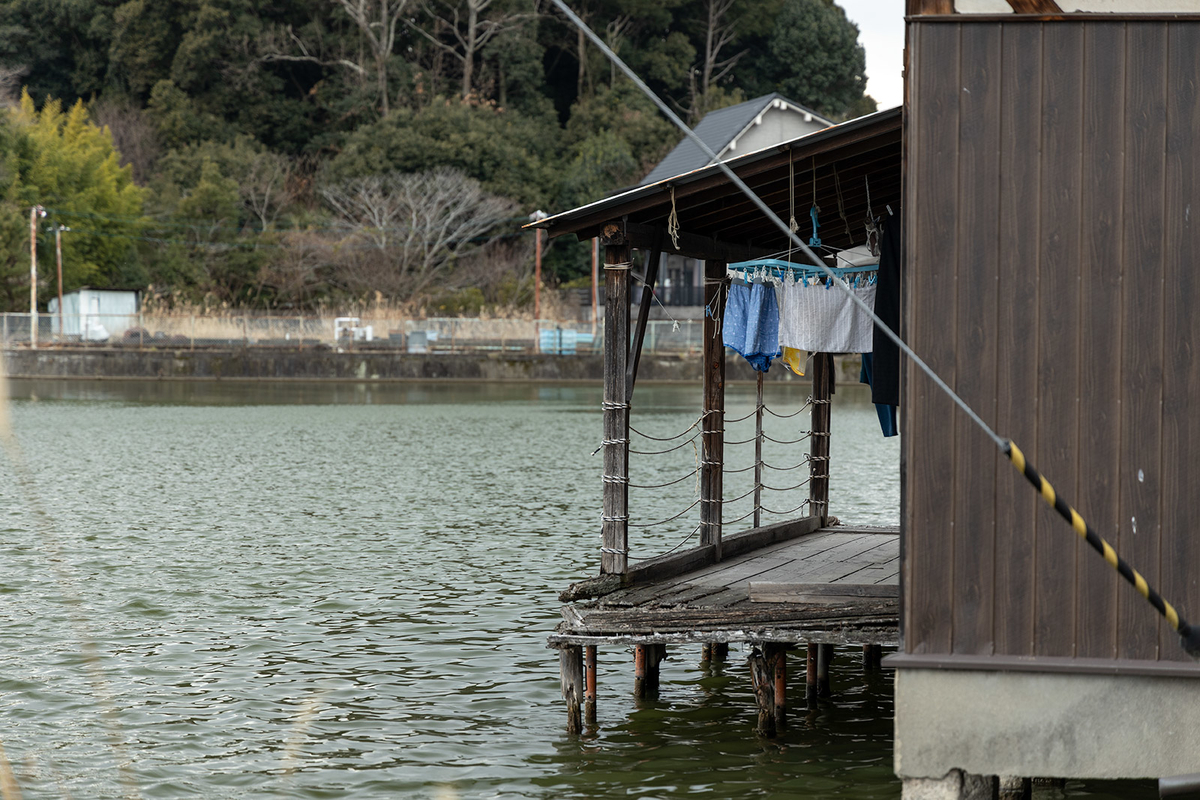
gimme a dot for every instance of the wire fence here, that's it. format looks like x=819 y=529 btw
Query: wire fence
x=430 y=335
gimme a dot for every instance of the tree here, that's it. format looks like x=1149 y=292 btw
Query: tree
x=470 y=28
x=417 y=225
x=511 y=155
x=377 y=22
x=812 y=56
x=70 y=166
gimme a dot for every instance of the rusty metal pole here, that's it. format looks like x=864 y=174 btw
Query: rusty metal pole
x=58 y=253
x=33 y=320
x=589 y=691
x=810 y=684
x=781 y=688
x=639 y=671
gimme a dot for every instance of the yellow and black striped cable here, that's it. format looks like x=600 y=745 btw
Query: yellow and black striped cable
x=1190 y=635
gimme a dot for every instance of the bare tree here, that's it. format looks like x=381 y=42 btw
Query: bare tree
x=720 y=28
x=377 y=20
x=10 y=85
x=283 y=44
x=422 y=223
x=265 y=185
x=470 y=31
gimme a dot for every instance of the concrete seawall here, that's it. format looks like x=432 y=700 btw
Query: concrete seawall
x=265 y=363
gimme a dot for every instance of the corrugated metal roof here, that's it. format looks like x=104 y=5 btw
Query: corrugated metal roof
x=717 y=130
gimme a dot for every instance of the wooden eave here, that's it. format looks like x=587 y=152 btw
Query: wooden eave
x=717 y=221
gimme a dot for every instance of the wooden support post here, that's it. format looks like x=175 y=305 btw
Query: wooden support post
x=781 y=688
x=648 y=285
x=570 y=667
x=810 y=682
x=824 y=659
x=712 y=457
x=617 y=264
x=876 y=657
x=646 y=658
x=589 y=690
x=818 y=488
x=769 y=688
x=868 y=658
x=720 y=651
x=706 y=652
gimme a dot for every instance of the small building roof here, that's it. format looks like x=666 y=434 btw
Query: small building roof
x=720 y=128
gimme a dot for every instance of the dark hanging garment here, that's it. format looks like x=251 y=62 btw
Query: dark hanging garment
x=885 y=384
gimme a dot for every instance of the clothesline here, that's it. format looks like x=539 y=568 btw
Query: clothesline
x=779 y=268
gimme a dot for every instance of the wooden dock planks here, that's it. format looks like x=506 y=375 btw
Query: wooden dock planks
x=859 y=567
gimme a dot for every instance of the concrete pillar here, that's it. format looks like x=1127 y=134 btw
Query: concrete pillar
x=1013 y=788
x=957 y=785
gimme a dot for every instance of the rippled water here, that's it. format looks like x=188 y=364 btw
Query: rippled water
x=327 y=590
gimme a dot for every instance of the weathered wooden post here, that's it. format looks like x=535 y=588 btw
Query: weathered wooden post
x=818 y=488
x=589 y=692
x=570 y=668
x=713 y=453
x=615 y=531
x=768 y=672
x=715 y=651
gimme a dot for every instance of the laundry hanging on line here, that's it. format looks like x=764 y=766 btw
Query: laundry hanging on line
x=751 y=324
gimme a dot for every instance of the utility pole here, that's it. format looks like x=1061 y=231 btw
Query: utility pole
x=537 y=216
x=34 y=213
x=58 y=232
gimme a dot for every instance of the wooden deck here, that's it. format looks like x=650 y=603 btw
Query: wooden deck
x=835 y=585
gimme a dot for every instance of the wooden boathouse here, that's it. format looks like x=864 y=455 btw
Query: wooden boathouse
x=793 y=582
x=1051 y=279
x=1046 y=163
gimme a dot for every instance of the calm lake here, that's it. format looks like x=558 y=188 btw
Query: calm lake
x=235 y=590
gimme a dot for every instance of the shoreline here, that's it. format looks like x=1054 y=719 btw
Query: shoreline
x=259 y=364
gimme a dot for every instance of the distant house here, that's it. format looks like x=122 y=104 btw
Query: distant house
x=95 y=314
x=729 y=132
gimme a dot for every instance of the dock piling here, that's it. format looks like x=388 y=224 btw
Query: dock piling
x=781 y=688
x=646 y=658
x=570 y=665
x=824 y=659
x=810 y=683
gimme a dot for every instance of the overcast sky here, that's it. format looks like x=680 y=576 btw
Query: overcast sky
x=881 y=31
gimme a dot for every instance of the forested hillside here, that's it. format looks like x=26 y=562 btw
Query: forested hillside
x=298 y=153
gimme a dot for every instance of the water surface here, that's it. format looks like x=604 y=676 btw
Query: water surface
x=325 y=590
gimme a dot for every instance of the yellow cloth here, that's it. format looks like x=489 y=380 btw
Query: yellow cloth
x=795 y=359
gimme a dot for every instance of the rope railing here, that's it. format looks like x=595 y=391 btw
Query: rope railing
x=690 y=435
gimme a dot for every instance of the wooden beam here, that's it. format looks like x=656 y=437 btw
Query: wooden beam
x=844 y=144
x=816 y=593
x=648 y=286
x=692 y=245
x=1035 y=6
x=712 y=459
x=615 y=521
x=917 y=8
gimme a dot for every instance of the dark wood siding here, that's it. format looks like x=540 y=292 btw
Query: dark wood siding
x=1051 y=279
